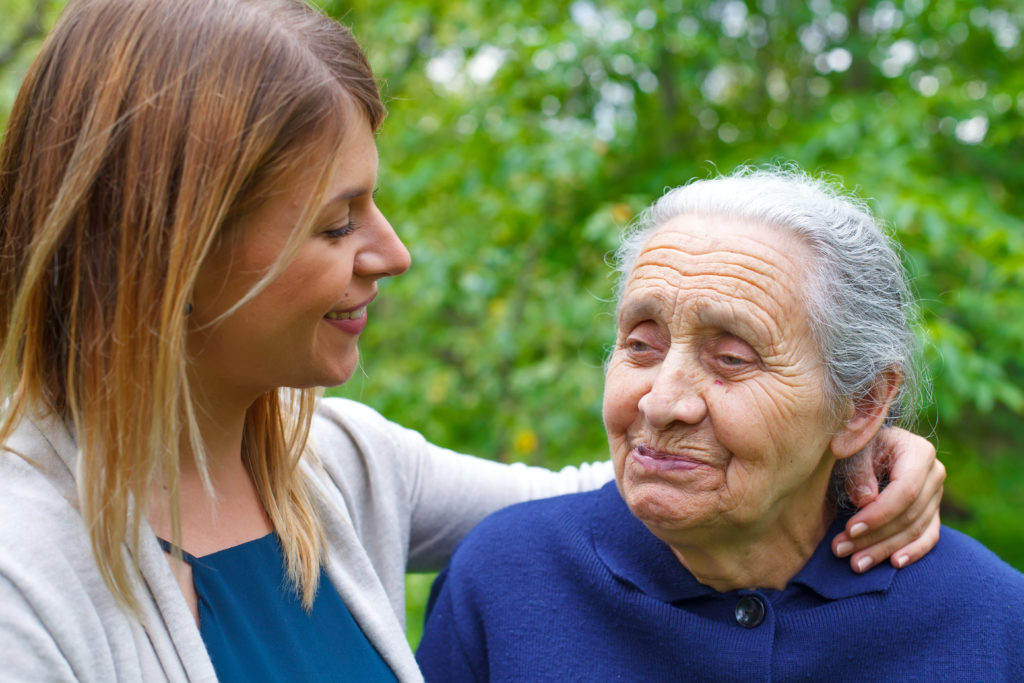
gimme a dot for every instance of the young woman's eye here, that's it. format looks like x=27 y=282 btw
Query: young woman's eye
x=340 y=231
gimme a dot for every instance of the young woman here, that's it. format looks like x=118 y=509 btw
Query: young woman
x=188 y=247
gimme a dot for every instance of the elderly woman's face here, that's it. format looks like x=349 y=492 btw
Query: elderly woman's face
x=714 y=402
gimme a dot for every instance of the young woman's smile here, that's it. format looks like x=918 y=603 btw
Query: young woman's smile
x=302 y=328
x=352 y=320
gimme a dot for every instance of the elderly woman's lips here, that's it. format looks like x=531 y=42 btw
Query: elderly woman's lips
x=647 y=457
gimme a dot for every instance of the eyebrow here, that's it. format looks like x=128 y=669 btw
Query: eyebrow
x=637 y=307
x=738 y=326
x=349 y=194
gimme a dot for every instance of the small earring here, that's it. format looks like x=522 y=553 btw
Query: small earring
x=188 y=308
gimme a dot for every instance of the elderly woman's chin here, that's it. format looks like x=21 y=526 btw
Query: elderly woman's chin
x=670 y=495
x=705 y=497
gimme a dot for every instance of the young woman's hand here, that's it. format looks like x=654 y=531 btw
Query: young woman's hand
x=902 y=522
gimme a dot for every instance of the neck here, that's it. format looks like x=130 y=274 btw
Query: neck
x=221 y=410
x=221 y=434
x=227 y=512
x=756 y=558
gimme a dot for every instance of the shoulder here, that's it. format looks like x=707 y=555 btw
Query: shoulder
x=548 y=529
x=38 y=492
x=969 y=563
x=959 y=610
x=505 y=557
x=960 y=582
x=341 y=425
x=341 y=417
x=564 y=511
x=352 y=440
x=519 y=588
x=56 y=606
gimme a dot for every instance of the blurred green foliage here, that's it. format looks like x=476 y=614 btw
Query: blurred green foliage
x=523 y=136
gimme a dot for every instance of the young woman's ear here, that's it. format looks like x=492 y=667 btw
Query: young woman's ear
x=868 y=415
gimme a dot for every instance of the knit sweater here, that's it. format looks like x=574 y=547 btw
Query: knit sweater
x=577 y=589
x=390 y=502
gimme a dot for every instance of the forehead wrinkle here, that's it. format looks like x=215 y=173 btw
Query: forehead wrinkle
x=753 y=284
x=734 y=281
x=752 y=323
x=654 y=298
x=756 y=271
x=658 y=298
x=720 y=237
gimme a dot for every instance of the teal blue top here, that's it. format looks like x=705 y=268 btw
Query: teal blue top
x=255 y=628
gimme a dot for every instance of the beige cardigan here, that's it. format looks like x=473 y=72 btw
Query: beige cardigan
x=391 y=502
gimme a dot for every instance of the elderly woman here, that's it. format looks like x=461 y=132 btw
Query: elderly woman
x=763 y=340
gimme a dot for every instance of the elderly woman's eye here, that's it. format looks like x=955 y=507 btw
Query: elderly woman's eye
x=729 y=353
x=637 y=346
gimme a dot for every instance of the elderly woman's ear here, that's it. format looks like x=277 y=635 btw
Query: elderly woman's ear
x=867 y=415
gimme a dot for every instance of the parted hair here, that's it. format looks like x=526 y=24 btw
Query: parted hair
x=857 y=294
x=145 y=130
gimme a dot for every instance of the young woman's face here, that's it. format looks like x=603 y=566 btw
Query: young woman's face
x=301 y=330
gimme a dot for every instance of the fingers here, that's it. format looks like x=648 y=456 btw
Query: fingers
x=861 y=482
x=917 y=548
x=903 y=521
x=905 y=539
x=904 y=547
x=909 y=459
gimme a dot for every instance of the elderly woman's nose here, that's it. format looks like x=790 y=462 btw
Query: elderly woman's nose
x=673 y=397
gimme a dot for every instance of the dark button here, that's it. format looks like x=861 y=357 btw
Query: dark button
x=749 y=611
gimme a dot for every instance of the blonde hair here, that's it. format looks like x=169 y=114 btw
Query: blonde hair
x=144 y=131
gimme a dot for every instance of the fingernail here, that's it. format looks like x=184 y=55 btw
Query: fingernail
x=857 y=529
x=901 y=561
x=863 y=491
x=844 y=549
x=863 y=563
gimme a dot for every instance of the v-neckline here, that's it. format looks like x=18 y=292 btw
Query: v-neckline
x=190 y=558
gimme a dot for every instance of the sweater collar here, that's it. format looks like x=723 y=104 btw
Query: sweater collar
x=635 y=555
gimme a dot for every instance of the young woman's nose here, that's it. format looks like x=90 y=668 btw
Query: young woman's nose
x=385 y=255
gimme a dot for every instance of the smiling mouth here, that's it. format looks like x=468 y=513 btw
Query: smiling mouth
x=347 y=315
x=648 y=452
x=653 y=459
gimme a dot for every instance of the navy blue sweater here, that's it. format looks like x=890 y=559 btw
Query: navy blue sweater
x=577 y=589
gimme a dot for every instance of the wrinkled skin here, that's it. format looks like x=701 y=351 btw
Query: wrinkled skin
x=714 y=404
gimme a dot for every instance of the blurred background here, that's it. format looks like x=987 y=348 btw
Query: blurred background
x=522 y=137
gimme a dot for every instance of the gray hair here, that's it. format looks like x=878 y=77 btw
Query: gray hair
x=858 y=298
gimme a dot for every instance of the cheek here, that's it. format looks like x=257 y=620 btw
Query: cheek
x=286 y=292
x=755 y=421
x=742 y=421
x=620 y=401
x=318 y=282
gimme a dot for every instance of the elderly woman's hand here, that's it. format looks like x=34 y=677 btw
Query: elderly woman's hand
x=903 y=521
